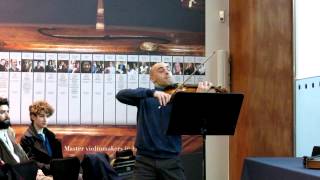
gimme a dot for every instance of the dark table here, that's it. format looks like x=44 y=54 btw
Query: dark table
x=277 y=168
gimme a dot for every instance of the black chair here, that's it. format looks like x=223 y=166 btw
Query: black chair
x=65 y=168
x=25 y=170
x=315 y=151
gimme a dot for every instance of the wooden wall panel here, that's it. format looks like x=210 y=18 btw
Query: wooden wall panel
x=78 y=140
x=262 y=68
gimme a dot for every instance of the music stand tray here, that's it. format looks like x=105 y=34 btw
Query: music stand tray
x=204 y=114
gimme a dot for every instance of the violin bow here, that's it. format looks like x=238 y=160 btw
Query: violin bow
x=196 y=69
x=180 y=86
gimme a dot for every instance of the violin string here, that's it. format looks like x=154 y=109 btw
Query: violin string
x=196 y=69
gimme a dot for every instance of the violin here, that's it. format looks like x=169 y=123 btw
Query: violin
x=191 y=88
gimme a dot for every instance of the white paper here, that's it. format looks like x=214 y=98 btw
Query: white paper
x=4 y=74
x=74 y=89
x=27 y=86
x=177 y=69
x=153 y=60
x=51 y=84
x=15 y=87
x=38 y=76
x=133 y=83
x=110 y=89
x=62 y=89
x=188 y=69
x=86 y=89
x=200 y=74
x=97 y=88
x=144 y=68
x=121 y=83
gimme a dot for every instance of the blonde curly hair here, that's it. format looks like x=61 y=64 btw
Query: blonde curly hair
x=41 y=106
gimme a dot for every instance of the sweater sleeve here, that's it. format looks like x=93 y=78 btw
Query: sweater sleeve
x=133 y=96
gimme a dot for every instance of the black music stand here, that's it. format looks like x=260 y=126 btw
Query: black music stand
x=204 y=114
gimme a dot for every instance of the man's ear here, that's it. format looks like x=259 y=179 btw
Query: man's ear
x=152 y=77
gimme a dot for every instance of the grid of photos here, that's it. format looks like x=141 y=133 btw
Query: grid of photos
x=82 y=87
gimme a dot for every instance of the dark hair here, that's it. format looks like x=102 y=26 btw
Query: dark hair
x=4 y=101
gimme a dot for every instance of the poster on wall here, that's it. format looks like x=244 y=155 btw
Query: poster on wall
x=79 y=69
x=51 y=83
x=62 y=88
x=4 y=73
x=110 y=89
x=121 y=83
x=15 y=87
x=86 y=89
x=97 y=88
x=26 y=86
x=133 y=82
x=74 y=89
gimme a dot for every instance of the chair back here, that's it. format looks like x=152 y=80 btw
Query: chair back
x=65 y=168
x=315 y=151
x=25 y=170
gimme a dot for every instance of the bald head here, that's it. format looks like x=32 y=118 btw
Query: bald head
x=160 y=74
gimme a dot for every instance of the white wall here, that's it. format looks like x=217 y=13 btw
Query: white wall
x=307 y=94
x=307 y=38
x=217 y=37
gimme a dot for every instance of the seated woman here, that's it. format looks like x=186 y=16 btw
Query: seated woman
x=38 y=141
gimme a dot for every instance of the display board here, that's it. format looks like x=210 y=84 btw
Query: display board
x=82 y=87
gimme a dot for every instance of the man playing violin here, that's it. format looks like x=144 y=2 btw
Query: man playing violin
x=157 y=153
